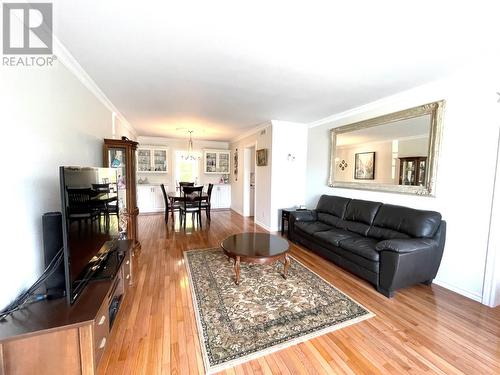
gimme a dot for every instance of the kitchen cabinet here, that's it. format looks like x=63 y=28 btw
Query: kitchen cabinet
x=152 y=159
x=217 y=161
x=221 y=196
x=150 y=198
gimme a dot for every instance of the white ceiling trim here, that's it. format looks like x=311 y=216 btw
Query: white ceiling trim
x=251 y=131
x=67 y=59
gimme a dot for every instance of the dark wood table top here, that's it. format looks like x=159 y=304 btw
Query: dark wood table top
x=255 y=245
x=104 y=197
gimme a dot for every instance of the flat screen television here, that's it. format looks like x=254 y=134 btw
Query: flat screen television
x=90 y=225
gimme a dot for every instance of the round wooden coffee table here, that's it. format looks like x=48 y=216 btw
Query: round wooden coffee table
x=259 y=248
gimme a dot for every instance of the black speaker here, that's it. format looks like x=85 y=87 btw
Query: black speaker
x=52 y=243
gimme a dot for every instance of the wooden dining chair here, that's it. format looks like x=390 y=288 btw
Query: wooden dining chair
x=169 y=207
x=80 y=207
x=106 y=209
x=191 y=203
x=206 y=205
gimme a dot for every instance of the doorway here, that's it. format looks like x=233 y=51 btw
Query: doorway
x=249 y=181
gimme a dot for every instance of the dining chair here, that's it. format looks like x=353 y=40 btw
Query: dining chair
x=101 y=188
x=109 y=208
x=206 y=204
x=80 y=207
x=185 y=183
x=191 y=203
x=169 y=207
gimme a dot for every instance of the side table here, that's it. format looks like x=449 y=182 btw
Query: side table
x=285 y=216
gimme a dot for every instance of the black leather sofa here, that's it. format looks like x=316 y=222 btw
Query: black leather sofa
x=390 y=246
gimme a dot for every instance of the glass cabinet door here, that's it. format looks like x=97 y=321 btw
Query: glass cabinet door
x=160 y=160
x=144 y=160
x=421 y=173
x=118 y=159
x=223 y=164
x=210 y=162
x=408 y=172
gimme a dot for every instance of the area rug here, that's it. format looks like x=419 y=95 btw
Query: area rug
x=265 y=312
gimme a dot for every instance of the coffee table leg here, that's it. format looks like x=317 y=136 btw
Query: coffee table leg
x=237 y=270
x=287 y=264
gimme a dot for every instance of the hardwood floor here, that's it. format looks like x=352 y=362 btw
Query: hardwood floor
x=423 y=330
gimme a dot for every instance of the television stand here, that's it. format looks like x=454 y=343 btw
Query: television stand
x=54 y=337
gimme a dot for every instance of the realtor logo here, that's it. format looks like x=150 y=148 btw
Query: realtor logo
x=27 y=29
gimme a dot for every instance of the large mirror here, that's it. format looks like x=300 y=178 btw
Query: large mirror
x=397 y=152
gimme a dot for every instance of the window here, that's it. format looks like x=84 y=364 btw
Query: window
x=187 y=170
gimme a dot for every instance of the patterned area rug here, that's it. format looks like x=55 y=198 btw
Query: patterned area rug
x=265 y=313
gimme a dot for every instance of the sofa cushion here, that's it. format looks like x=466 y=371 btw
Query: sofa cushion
x=362 y=246
x=333 y=205
x=362 y=211
x=412 y=222
x=311 y=227
x=385 y=233
x=334 y=236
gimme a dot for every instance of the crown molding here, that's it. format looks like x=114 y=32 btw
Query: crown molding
x=68 y=60
x=251 y=131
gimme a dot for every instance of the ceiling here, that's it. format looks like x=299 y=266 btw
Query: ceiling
x=226 y=66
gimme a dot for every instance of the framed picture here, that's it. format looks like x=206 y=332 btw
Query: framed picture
x=261 y=156
x=364 y=166
x=236 y=165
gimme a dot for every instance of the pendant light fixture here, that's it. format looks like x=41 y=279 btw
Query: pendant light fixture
x=189 y=155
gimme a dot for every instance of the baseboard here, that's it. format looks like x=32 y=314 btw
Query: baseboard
x=269 y=229
x=237 y=211
x=262 y=225
x=463 y=292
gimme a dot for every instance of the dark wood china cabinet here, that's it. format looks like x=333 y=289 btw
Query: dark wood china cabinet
x=120 y=154
x=412 y=170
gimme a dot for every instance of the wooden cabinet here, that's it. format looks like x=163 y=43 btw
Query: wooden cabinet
x=217 y=161
x=120 y=154
x=152 y=160
x=150 y=198
x=221 y=196
x=412 y=171
x=53 y=337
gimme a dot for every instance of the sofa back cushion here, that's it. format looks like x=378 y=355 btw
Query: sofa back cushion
x=359 y=216
x=362 y=211
x=332 y=220
x=333 y=205
x=395 y=221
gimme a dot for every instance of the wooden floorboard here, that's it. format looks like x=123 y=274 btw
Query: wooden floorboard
x=423 y=330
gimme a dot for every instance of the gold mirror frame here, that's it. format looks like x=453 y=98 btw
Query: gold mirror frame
x=435 y=110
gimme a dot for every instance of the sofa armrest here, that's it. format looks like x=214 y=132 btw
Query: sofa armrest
x=309 y=215
x=406 y=245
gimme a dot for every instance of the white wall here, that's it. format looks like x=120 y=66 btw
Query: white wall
x=288 y=173
x=491 y=294
x=383 y=162
x=49 y=118
x=261 y=138
x=180 y=145
x=281 y=183
x=465 y=174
